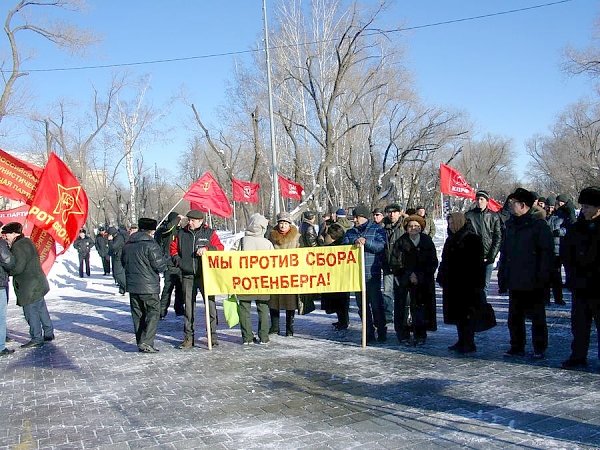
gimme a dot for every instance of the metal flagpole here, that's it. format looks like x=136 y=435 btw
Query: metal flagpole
x=271 y=121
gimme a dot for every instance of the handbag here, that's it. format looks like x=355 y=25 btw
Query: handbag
x=484 y=317
x=306 y=304
x=230 y=311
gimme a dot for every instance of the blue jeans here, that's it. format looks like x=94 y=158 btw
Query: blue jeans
x=488 y=276
x=3 y=299
x=36 y=315
x=388 y=296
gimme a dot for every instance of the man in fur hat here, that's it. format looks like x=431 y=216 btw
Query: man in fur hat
x=143 y=262
x=524 y=271
x=581 y=256
x=30 y=285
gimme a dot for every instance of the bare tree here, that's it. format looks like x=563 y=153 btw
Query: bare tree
x=29 y=16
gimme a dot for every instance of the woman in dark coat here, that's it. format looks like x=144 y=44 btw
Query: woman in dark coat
x=461 y=276
x=284 y=235
x=336 y=302
x=413 y=261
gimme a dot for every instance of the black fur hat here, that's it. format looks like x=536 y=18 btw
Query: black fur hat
x=147 y=224
x=588 y=196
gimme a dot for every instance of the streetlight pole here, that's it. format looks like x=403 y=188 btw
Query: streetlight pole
x=274 y=172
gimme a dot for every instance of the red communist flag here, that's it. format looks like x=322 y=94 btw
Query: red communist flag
x=453 y=183
x=245 y=191
x=290 y=189
x=494 y=205
x=18 y=179
x=206 y=195
x=60 y=204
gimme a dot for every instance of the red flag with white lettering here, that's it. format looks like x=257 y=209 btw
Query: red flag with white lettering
x=245 y=191
x=60 y=204
x=206 y=195
x=18 y=179
x=290 y=189
x=453 y=183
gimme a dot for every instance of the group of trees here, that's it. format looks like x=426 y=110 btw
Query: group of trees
x=349 y=125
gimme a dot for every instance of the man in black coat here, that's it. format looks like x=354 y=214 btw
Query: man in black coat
x=116 y=241
x=581 y=256
x=525 y=262
x=143 y=262
x=83 y=244
x=30 y=285
x=165 y=234
x=488 y=226
x=102 y=249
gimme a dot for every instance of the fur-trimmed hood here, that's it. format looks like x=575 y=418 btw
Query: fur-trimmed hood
x=288 y=240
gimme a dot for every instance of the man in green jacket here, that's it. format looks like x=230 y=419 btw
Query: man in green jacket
x=30 y=285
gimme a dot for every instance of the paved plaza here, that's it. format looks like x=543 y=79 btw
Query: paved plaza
x=90 y=388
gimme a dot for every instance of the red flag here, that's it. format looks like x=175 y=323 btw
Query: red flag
x=494 y=205
x=60 y=205
x=44 y=243
x=245 y=191
x=453 y=183
x=18 y=179
x=289 y=189
x=206 y=195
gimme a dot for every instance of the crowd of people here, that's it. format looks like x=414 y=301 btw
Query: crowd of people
x=531 y=239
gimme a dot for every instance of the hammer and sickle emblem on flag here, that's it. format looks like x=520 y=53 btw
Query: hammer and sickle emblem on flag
x=206 y=186
x=68 y=202
x=247 y=192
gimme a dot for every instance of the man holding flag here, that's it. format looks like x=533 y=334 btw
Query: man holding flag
x=30 y=284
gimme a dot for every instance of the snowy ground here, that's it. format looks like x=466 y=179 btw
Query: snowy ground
x=91 y=388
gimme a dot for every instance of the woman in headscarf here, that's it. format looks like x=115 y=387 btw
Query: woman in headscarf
x=413 y=261
x=254 y=239
x=462 y=277
x=284 y=235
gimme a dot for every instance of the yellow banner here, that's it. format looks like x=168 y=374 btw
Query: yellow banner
x=294 y=271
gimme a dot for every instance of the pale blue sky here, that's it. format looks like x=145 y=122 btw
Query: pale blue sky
x=504 y=71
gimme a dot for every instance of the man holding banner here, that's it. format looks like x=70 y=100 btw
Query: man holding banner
x=186 y=251
x=372 y=237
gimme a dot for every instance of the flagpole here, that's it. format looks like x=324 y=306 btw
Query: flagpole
x=271 y=120
x=234 y=220
x=167 y=215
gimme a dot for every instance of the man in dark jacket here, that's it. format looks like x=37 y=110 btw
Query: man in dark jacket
x=164 y=236
x=83 y=244
x=186 y=251
x=308 y=230
x=488 y=226
x=581 y=256
x=30 y=285
x=7 y=262
x=525 y=261
x=392 y=224
x=143 y=262
x=372 y=237
x=102 y=249
x=116 y=241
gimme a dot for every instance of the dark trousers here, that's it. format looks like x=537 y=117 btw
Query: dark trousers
x=262 y=307
x=84 y=260
x=289 y=321
x=522 y=305
x=585 y=308
x=405 y=300
x=37 y=316
x=555 y=282
x=145 y=311
x=375 y=314
x=119 y=274
x=106 y=264
x=466 y=333
x=172 y=278
x=341 y=311
x=190 y=285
